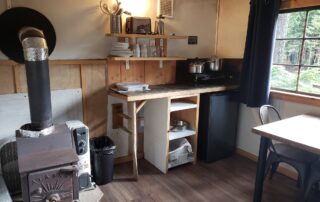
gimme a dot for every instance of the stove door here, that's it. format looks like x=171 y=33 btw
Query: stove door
x=53 y=185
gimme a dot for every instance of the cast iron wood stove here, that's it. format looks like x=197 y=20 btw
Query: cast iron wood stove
x=46 y=154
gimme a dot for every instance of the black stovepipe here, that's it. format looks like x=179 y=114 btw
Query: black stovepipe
x=37 y=70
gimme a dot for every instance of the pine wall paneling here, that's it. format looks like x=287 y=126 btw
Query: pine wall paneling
x=94 y=77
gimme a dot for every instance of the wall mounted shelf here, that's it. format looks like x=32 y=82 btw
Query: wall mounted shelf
x=146 y=36
x=146 y=58
x=161 y=40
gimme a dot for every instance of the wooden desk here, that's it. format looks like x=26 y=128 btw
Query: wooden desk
x=171 y=90
x=301 y=131
x=136 y=101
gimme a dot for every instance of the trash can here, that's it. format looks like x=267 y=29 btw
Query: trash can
x=102 y=153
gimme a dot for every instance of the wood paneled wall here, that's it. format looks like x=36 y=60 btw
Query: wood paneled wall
x=141 y=71
x=86 y=74
x=93 y=77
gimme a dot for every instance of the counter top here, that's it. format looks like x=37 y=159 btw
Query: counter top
x=172 y=90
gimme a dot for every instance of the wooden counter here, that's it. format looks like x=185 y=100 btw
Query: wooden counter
x=172 y=90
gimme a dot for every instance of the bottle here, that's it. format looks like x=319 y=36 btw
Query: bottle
x=144 y=50
x=136 y=50
x=160 y=25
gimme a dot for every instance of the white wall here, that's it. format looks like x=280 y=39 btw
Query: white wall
x=232 y=28
x=14 y=109
x=193 y=18
x=249 y=118
x=80 y=25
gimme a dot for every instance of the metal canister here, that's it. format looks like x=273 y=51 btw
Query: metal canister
x=115 y=24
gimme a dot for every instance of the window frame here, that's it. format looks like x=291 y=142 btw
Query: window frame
x=296 y=93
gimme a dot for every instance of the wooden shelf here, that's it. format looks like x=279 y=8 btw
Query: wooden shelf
x=177 y=106
x=146 y=36
x=146 y=58
x=181 y=134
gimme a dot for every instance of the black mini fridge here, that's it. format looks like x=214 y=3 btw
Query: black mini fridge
x=218 y=119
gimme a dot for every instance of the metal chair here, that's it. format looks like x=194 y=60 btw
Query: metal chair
x=313 y=178
x=284 y=153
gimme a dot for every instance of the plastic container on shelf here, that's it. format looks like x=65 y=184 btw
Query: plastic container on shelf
x=143 y=50
x=136 y=50
x=179 y=150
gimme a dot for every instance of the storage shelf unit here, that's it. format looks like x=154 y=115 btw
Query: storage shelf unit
x=132 y=36
x=158 y=113
x=181 y=134
x=146 y=58
x=177 y=106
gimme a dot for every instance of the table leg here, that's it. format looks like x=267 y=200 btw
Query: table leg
x=132 y=111
x=264 y=142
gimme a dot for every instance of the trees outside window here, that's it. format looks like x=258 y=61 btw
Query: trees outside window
x=296 y=56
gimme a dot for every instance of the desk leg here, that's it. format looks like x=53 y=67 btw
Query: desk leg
x=261 y=169
x=132 y=112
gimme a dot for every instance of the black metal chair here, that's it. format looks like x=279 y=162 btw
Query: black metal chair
x=313 y=178
x=283 y=153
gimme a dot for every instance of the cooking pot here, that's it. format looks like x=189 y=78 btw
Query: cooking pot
x=196 y=67
x=178 y=125
x=213 y=65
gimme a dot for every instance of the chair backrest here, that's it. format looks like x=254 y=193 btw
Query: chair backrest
x=268 y=114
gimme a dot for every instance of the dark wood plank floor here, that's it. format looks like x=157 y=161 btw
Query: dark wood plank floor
x=231 y=179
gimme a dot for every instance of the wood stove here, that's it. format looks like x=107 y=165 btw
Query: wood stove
x=47 y=166
x=46 y=154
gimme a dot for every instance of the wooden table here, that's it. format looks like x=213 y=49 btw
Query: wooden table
x=136 y=101
x=301 y=131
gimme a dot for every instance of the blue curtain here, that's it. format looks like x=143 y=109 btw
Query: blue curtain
x=255 y=74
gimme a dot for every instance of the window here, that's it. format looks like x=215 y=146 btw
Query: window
x=296 y=56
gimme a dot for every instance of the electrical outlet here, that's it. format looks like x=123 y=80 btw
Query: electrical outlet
x=192 y=40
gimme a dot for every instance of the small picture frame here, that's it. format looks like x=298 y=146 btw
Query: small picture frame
x=165 y=8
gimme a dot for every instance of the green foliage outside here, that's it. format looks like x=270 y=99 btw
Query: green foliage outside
x=281 y=78
x=291 y=25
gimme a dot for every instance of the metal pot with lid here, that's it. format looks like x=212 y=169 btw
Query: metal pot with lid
x=214 y=64
x=196 y=67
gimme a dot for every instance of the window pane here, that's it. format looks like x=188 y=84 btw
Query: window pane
x=291 y=25
x=284 y=77
x=309 y=81
x=287 y=52
x=313 y=24
x=311 y=52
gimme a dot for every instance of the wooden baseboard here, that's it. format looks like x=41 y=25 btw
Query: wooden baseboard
x=281 y=169
x=125 y=159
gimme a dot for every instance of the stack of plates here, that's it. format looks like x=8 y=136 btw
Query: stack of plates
x=121 y=49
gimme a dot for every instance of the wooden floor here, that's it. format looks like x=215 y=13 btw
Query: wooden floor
x=223 y=181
